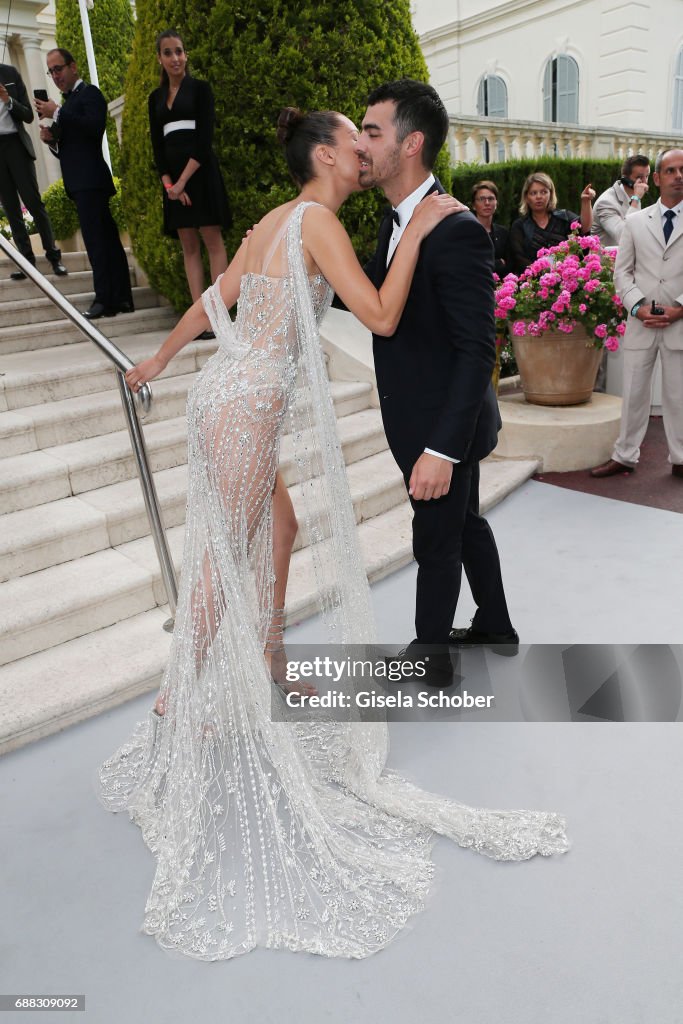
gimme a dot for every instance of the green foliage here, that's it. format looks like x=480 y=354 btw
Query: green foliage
x=63 y=214
x=259 y=56
x=112 y=26
x=569 y=175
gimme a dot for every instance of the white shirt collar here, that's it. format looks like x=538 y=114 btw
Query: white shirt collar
x=406 y=207
x=678 y=210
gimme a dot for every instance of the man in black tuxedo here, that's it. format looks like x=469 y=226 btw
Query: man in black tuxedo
x=434 y=374
x=18 y=173
x=75 y=137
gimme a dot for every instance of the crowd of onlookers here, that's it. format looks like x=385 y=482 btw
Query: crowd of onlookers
x=648 y=279
x=541 y=224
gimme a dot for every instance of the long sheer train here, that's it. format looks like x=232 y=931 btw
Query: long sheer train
x=265 y=832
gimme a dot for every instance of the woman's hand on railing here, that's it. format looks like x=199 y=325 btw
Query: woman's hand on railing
x=145 y=371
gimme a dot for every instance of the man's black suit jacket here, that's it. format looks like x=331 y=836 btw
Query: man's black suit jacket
x=434 y=373
x=22 y=111
x=78 y=133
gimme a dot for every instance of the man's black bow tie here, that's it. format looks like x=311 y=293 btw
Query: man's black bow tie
x=396 y=218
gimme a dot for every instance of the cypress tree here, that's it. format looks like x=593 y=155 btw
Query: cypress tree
x=112 y=25
x=259 y=56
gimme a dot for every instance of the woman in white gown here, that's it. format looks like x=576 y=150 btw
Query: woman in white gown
x=268 y=832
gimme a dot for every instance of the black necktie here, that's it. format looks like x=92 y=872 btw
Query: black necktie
x=669 y=225
x=397 y=219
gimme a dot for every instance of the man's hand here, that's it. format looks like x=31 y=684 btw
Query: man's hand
x=45 y=108
x=431 y=477
x=46 y=135
x=640 y=188
x=656 y=323
x=4 y=95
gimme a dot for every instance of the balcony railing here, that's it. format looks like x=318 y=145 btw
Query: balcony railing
x=487 y=139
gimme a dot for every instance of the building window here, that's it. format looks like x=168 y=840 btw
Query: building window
x=678 y=94
x=561 y=90
x=492 y=101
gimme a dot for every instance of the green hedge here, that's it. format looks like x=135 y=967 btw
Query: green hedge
x=62 y=211
x=259 y=56
x=569 y=175
x=112 y=25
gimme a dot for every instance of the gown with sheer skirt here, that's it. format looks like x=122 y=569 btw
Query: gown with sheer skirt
x=271 y=833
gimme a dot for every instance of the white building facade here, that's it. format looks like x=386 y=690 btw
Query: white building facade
x=569 y=76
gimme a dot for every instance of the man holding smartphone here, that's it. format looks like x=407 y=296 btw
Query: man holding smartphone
x=18 y=179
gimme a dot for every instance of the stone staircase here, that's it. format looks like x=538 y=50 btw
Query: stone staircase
x=81 y=597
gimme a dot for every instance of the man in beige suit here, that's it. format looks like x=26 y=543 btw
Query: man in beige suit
x=621 y=200
x=648 y=278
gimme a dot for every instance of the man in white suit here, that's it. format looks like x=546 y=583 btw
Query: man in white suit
x=648 y=278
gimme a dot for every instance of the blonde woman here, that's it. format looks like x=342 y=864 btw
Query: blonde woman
x=542 y=224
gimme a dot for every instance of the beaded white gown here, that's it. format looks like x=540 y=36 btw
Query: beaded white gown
x=267 y=832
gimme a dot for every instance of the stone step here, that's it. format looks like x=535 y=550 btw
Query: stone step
x=39 y=310
x=64 y=470
x=41 y=536
x=54 y=374
x=77 y=282
x=74 y=419
x=47 y=691
x=376 y=486
x=28 y=337
x=73 y=261
x=48 y=607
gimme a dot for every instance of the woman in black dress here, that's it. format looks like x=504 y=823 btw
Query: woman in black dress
x=484 y=203
x=181 y=121
x=541 y=224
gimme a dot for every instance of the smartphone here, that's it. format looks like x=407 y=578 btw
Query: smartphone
x=40 y=94
x=656 y=310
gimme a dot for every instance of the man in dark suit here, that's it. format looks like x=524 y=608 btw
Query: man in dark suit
x=75 y=137
x=18 y=173
x=434 y=374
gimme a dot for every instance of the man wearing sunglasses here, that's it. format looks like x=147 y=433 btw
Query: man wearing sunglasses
x=75 y=137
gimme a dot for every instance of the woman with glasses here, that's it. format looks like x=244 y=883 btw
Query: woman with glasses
x=181 y=121
x=541 y=224
x=484 y=203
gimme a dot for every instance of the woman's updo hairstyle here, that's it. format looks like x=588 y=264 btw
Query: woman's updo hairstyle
x=300 y=133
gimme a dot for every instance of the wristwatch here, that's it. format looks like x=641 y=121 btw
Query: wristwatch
x=636 y=198
x=634 y=309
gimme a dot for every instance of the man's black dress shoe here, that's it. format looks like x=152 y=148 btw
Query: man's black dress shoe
x=424 y=664
x=58 y=268
x=506 y=644
x=18 y=275
x=98 y=310
x=126 y=307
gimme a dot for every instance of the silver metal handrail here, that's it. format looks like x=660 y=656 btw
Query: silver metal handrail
x=122 y=363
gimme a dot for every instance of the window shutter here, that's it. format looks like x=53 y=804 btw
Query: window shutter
x=678 y=94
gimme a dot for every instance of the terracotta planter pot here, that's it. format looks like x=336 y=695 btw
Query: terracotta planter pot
x=557 y=369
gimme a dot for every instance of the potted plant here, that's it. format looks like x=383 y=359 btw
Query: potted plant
x=562 y=312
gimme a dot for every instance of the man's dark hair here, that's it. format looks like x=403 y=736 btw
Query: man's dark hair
x=66 y=56
x=418 y=109
x=638 y=160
